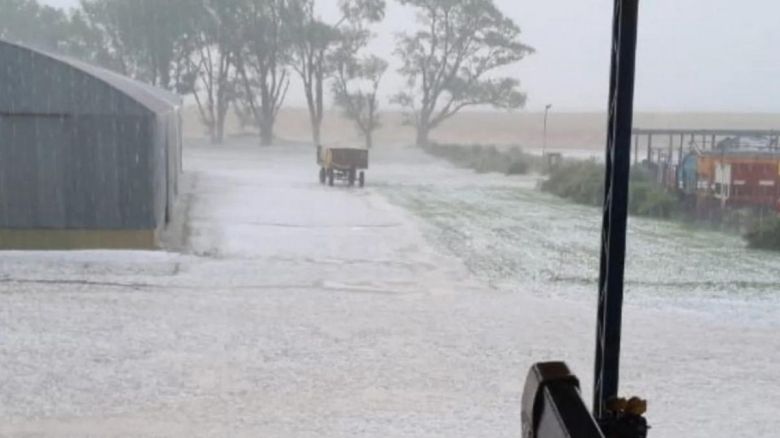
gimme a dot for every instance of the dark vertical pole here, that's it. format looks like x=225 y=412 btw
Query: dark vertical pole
x=649 y=148
x=636 y=148
x=682 y=146
x=712 y=145
x=669 y=161
x=613 y=240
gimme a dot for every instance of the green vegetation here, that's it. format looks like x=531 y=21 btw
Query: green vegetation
x=487 y=158
x=518 y=168
x=583 y=182
x=647 y=198
x=765 y=235
x=578 y=181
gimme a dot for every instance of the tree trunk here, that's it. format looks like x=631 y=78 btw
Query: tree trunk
x=266 y=132
x=212 y=128
x=369 y=140
x=165 y=78
x=267 y=102
x=315 y=132
x=220 y=128
x=319 y=103
x=423 y=132
x=312 y=105
x=219 y=134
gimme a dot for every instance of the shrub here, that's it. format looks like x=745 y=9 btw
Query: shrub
x=486 y=158
x=518 y=167
x=764 y=235
x=583 y=182
x=579 y=181
x=647 y=199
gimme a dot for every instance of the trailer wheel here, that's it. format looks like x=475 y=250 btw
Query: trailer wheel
x=362 y=179
x=331 y=177
x=323 y=175
x=351 y=177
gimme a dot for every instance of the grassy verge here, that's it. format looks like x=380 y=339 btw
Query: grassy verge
x=583 y=182
x=764 y=235
x=487 y=158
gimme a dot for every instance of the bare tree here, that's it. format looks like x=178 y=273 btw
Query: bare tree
x=29 y=22
x=313 y=42
x=141 y=38
x=448 y=63
x=355 y=91
x=183 y=45
x=212 y=65
x=260 y=63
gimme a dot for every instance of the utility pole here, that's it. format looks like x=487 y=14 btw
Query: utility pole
x=544 y=139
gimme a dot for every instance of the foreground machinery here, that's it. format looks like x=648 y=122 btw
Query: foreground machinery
x=552 y=404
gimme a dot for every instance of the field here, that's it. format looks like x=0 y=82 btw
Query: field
x=566 y=131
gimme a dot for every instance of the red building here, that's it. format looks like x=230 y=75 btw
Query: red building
x=740 y=178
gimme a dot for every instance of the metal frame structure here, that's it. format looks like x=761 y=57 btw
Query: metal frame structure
x=613 y=241
x=685 y=139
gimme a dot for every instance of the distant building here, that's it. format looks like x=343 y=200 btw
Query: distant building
x=740 y=178
x=88 y=158
x=738 y=173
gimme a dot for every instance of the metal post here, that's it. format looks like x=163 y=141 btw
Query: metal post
x=613 y=244
x=636 y=148
x=680 y=152
x=649 y=148
x=544 y=140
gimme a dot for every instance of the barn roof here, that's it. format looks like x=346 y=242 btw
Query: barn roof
x=154 y=99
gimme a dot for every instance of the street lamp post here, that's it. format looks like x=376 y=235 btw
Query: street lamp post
x=544 y=138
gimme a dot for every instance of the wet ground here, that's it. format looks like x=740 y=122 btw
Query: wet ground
x=410 y=308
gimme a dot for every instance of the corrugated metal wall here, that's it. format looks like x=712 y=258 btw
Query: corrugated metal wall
x=76 y=153
x=85 y=172
x=31 y=82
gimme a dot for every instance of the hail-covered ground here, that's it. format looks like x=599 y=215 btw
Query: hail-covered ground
x=413 y=307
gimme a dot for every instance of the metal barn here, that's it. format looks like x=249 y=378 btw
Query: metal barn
x=88 y=158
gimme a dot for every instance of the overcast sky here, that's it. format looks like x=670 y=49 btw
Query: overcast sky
x=714 y=55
